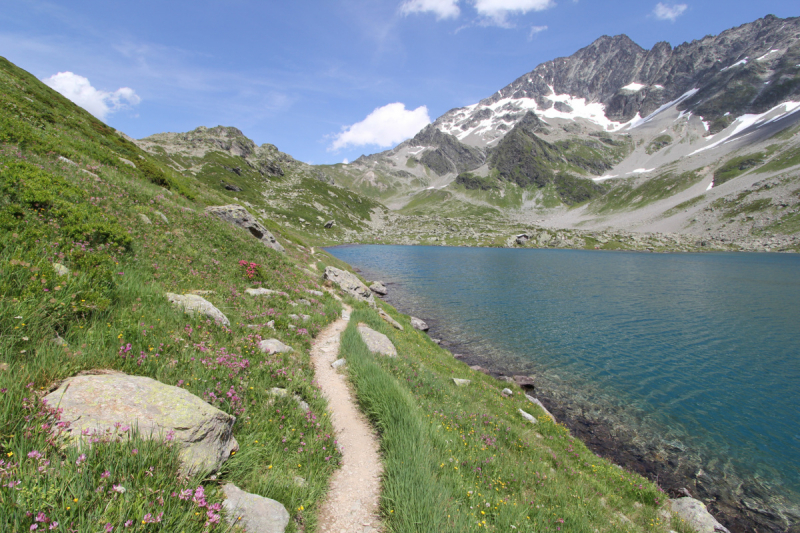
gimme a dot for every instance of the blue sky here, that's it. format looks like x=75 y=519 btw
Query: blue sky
x=324 y=81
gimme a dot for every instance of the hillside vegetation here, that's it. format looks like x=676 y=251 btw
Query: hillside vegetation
x=95 y=232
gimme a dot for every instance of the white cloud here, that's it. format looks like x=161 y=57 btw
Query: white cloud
x=665 y=12
x=384 y=127
x=345 y=161
x=98 y=103
x=497 y=11
x=535 y=30
x=442 y=8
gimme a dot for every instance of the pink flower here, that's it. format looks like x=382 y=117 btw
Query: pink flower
x=109 y=528
x=81 y=459
x=34 y=455
x=105 y=474
x=129 y=523
x=34 y=526
x=54 y=525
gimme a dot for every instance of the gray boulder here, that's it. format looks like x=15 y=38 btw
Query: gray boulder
x=339 y=363
x=419 y=324
x=318 y=294
x=264 y=292
x=525 y=382
x=97 y=404
x=350 y=284
x=271 y=346
x=379 y=288
x=254 y=513
x=192 y=303
x=329 y=224
x=694 y=513
x=377 y=342
x=523 y=238
x=239 y=216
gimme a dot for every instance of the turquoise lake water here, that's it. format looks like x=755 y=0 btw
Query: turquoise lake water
x=696 y=355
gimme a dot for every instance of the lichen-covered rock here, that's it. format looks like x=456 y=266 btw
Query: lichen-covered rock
x=379 y=288
x=419 y=324
x=527 y=416
x=239 y=216
x=271 y=346
x=254 y=513
x=694 y=513
x=350 y=284
x=97 y=404
x=377 y=342
x=192 y=303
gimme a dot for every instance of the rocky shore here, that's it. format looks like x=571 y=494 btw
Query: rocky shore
x=739 y=505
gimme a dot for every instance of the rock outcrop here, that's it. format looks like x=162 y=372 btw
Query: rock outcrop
x=254 y=513
x=377 y=342
x=100 y=405
x=350 y=284
x=192 y=303
x=239 y=216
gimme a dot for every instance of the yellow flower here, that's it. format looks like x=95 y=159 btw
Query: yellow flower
x=10 y=454
x=269 y=467
x=75 y=500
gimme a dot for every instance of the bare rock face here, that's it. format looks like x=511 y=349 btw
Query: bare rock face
x=192 y=303
x=239 y=216
x=377 y=342
x=349 y=284
x=419 y=324
x=694 y=513
x=95 y=405
x=254 y=513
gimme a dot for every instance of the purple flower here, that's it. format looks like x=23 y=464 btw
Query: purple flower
x=109 y=528
x=34 y=454
x=81 y=459
x=105 y=474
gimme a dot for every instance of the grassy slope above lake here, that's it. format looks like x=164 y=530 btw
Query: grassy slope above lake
x=130 y=229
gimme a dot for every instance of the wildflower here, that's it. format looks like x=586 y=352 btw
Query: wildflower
x=129 y=523
x=53 y=525
x=109 y=528
x=34 y=454
x=81 y=459
x=118 y=488
x=105 y=474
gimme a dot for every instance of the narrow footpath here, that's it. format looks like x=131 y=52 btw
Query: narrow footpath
x=352 y=502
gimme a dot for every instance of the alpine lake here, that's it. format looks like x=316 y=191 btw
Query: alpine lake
x=683 y=367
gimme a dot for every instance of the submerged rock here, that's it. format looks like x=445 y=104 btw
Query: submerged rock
x=377 y=342
x=254 y=513
x=95 y=405
x=239 y=216
x=192 y=303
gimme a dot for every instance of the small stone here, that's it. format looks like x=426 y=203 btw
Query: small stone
x=145 y=218
x=299 y=481
x=161 y=216
x=379 y=288
x=527 y=416
x=65 y=160
x=200 y=292
x=339 y=363
x=384 y=315
x=127 y=162
x=507 y=392
x=377 y=342
x=263 y=292
x=350 y=284
x=303 y=301
x=462 y=382
x=318 y=294
x=58 y=341
x=540 y=404
x=329 y=224
x=254 y=513
x=419 y=324
x=60 y=269
x=191 y=304
x=272 y=346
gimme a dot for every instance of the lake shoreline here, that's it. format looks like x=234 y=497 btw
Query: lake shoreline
x=605 y=441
